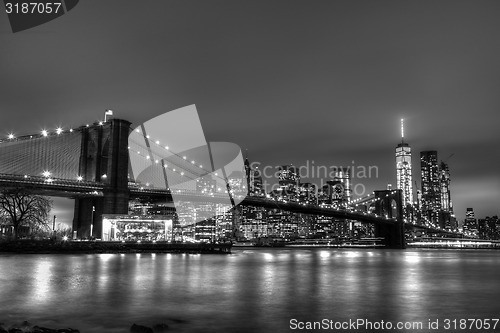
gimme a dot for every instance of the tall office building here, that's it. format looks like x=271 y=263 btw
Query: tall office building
x=237 y=183
x=431 y=187
x=446 y=203
x=470 y=223
x=257 y=186
x=249 y=177
x=403 y=169
x=343 y=176
x=289 y=180
x=254 y=183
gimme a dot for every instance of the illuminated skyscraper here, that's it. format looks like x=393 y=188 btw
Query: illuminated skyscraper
x=431 y=191
x=289 y=180
x=446 y=203
x=470 y=223
x=403 y=169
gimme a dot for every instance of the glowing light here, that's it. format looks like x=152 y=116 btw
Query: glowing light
x=166 y=147
x=184 y=157
x=65 y=238
x=45 y=133
x=59 y=130
x=137 y=130
x=104 y=176
x=100 y=123
x=402 y=128
x=79 y=178
x=157 y=142
x=11 y=136
x=46 y=173
x=71 y=130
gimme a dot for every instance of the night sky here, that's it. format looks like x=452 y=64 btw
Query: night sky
x=291 y=81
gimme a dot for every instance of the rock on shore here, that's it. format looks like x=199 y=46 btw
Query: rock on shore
x=158 y=328
x=27 y=327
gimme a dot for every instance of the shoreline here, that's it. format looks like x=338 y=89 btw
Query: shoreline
x=98 y=247
x=91 y=247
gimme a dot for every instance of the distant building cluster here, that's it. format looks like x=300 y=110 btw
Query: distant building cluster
x=435 y=199
x=487 y=228
x=268 y=224
x=433 y=205
x=265 y=226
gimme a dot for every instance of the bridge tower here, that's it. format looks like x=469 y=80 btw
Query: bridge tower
x=104 y=158
x=389 y=203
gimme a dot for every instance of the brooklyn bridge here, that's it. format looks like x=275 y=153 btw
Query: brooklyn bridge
x=91 y=164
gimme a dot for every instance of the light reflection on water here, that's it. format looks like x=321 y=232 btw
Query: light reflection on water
x=251 y=290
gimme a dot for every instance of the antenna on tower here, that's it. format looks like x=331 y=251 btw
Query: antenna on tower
x=402 y=130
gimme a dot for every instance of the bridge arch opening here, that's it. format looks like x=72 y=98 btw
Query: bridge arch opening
x=394 y=209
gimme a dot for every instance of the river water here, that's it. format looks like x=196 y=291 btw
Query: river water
x=251 y=290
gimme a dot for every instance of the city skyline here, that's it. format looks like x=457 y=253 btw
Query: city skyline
x=309 y=83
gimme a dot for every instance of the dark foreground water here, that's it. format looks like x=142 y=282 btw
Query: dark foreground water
x=251 y=290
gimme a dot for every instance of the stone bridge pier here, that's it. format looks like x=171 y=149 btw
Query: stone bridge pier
x=389 y=203
x=104 y=159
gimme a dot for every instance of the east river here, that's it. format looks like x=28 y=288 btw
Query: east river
x=251 y=290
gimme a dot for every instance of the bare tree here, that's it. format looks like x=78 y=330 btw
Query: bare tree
x=24 y=209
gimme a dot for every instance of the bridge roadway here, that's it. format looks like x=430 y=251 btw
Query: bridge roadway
x=52 y=186
x=74 y=188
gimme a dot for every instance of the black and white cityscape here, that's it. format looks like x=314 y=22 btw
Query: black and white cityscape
x=249 y=166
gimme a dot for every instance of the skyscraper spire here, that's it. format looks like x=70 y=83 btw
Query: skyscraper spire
x=402 y=130
x=403 y=169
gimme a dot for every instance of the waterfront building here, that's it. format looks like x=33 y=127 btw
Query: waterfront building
x=489 y=228
x=306 y=225
x=470 y=223
x=224 y=222
x=250 y=222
